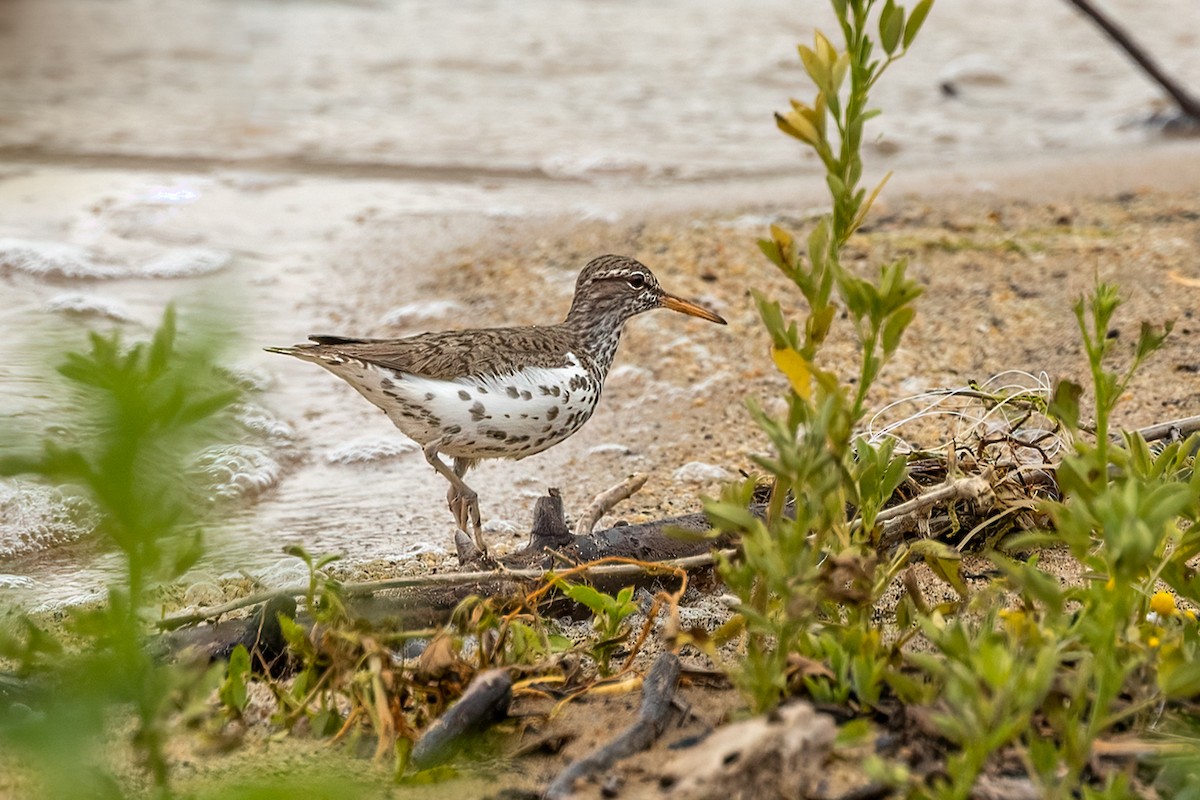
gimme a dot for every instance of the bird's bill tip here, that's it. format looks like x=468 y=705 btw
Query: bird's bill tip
x=688 y=307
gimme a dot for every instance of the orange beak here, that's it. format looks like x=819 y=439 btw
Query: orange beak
x=688 y=307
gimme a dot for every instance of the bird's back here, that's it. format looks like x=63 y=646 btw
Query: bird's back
x=449 y=355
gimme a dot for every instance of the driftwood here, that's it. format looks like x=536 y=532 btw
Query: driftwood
x=484 y=702
x=260 y=633
x=1188 y=104
x=658 y=694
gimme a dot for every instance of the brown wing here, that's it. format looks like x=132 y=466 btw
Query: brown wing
x=452 y=354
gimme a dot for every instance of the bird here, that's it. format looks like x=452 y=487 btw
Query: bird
x=484 y=393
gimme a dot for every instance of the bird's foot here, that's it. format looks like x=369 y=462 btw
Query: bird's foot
x=465 y=508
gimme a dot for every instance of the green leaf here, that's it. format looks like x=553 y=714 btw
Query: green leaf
x=891 y=26
x=1064 y=405
x=233 y=692
x=944 y=560
x=164 y=342
x=915 y=21
x=894 y=329
x=585 y=595
x=1180 y=680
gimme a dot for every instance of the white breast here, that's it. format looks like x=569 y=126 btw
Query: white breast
x=513 y=415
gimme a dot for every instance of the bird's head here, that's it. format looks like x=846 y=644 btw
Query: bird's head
x=618 y=287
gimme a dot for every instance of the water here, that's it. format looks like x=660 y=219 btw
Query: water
x=302 y=167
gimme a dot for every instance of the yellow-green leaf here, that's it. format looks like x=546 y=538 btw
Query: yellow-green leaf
x=816 y=68
x=825 y=49
x=796 y=368
x=804 y=129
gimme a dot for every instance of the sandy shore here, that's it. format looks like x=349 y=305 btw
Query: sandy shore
x=1002 y=250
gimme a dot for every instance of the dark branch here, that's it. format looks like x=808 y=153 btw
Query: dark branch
x=1187 y=104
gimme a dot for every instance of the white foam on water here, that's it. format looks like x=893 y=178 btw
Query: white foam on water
x=256 y=379
x=52 y=261
x=34 y=517
x=236 y=472
x=189 y=263
x=84 y=305
x=17 y=582
x=60 y=261
x=260 y=421
x=284 y=572
x=370 y=449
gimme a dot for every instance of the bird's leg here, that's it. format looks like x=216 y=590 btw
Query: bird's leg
x=471 y=500
x=462 y=499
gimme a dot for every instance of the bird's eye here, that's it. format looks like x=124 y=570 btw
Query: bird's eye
x=637 y=281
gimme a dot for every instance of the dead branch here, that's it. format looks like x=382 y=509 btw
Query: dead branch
x=1187 y=104
x=484 y=702
x=1164 y=430
x=606 y=500
x=658 y=692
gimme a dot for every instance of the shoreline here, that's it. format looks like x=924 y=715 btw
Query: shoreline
x=515 y=270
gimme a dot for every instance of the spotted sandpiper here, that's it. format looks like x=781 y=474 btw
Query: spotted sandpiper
x=498 y=392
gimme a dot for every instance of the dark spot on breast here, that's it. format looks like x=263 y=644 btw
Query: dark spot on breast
x=552 y=413
x=453 y=429
x=481 y=390
x=512 y=392
x=543 y=390
x=547 y=428
x=386 y=383
x=463 y=394
x=477 y=411
x=495 y=434
x=526 y=395
x=554 y=390
x=428 y=396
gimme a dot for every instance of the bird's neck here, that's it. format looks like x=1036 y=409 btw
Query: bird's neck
x=600 y=334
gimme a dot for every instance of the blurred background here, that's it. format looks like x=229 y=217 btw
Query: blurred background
x=302 y=166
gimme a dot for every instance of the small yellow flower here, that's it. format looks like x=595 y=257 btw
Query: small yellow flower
x=1153 y=641
x=1163 y=604
x=1112 y=583
x=1191 y=615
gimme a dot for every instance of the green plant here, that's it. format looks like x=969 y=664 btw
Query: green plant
x=140 y=414
x=806 y=577
x=609 y=615
x=1070 y=664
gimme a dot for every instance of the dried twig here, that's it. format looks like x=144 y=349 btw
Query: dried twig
x=658 y=691
x=606 y=500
